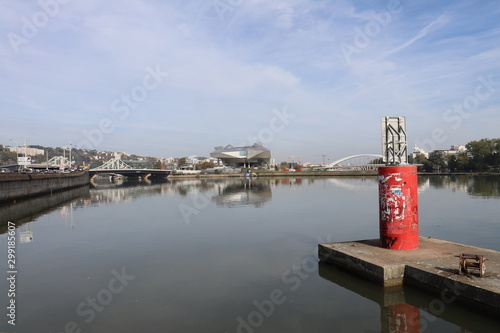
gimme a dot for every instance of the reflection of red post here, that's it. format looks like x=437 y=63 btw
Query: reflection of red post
x=401 y=318
x=398 y=200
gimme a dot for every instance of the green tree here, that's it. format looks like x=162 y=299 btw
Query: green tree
x=485 y=154
x=463 y=162
x=6 y=156
x=204 y=165
x=157 y=165
x=95 y=164
x=181 y=162
x=452 y=163
x=378 y=161
x=424 y=164
x=437 y=161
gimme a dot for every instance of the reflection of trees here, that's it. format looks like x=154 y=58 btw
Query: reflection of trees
x=485 y=186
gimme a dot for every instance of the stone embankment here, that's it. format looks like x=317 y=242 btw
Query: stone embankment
x=19 y=185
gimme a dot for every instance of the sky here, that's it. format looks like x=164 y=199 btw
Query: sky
x=304 y=77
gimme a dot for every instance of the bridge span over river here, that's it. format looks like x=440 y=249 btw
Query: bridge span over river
x=116 y=167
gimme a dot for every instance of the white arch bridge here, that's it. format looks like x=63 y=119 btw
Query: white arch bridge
x=356 y=162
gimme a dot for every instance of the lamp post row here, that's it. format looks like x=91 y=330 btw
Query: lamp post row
x=26 y=154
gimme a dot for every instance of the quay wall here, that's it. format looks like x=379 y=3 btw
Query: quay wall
x=19 y=185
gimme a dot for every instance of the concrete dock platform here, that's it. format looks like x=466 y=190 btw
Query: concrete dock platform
x=433 y=267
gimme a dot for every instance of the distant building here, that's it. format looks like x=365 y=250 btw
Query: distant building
x=246 y=156
x=458 y=148
x=454 y=150
x=419 y=151
x=27 y=151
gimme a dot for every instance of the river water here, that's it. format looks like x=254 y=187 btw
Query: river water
x=229 y=255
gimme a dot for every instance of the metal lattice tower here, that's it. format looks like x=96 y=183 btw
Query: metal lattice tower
x=59 y=160
x=114 y=164
x=394 y=145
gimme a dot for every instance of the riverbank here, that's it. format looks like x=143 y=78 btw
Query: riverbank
x=21 y=185
x=319 y=174
x=279 y=174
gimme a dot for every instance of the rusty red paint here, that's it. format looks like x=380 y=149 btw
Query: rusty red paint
x=402 y=318
x=398 y=207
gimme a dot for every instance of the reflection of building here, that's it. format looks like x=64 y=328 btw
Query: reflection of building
x=246 y=156
x=246 y=192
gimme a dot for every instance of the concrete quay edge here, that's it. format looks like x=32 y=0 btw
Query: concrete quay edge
x=432 y=267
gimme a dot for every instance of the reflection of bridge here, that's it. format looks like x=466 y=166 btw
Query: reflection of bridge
x=116 y=167
x=355 y=162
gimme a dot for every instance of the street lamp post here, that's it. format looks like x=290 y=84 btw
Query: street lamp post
x=70 y=146
x=17 y=148
x=64 y=159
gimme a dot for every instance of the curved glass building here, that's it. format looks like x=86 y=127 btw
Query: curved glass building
x=246 y=156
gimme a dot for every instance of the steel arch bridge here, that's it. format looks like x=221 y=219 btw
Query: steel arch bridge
x=339 y=164
x=116 y=166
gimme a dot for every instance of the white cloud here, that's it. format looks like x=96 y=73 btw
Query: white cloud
x=227 y=74
x=438 y=23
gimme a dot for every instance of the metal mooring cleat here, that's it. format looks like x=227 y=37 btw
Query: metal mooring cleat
x=471 y=262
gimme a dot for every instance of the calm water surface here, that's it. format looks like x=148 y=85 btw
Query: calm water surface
x=229 y=256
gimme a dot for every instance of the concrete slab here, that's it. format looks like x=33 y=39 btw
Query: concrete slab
x=433 y=267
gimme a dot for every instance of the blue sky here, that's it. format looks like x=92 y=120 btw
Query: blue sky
x=305 y=77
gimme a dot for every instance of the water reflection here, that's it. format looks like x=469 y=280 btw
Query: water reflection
x=483 y=186
x=245 y=192
x=27 y=210
x=223 y=192
x=232 y=192
x=105 y=191
x=410 y=310
x=26 y=235
x=241 y=262
x=362 y=183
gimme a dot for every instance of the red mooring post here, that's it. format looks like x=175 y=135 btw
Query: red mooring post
x=398 y=201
